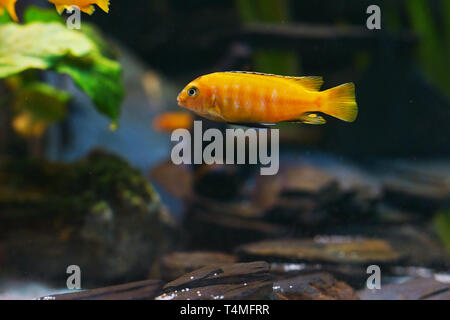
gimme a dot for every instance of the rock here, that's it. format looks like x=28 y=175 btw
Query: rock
x=346 y=258
x=417 y=189
x=266 y=191
x=301 y=200
x=175 y=180
x=244 y=209
x=417 y=248
x=284 y=270
x=213 y=231
x=177 y=264
x=418 y=245
x=230 y=281
x=220 y=182
x=313 y=197
x=327 y=250
x=302 y=212
x=389 y=214
x=97 y=213
x=318 y=286
x=140 y=290
x=415 y=289
x=219 y=225
x=307 y=180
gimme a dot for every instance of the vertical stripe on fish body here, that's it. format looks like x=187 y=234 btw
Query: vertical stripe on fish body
x=243 y=97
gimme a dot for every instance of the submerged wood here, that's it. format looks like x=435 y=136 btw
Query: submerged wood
x=317 y=286
x=230 y=281
x=415 y=289
x=176 y=264
x=140 y=290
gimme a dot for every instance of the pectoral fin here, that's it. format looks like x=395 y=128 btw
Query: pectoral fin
x=312 y=118
x=215 y=116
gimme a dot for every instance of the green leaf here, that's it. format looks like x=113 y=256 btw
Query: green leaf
x=38 y=46
x=93 y=33
x=36 y=14
x=43 y=101
x=38 y=105
x=5 y=18
x=52 y=46
x=100 y=80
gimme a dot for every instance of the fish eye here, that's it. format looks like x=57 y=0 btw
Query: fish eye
x=192 y=92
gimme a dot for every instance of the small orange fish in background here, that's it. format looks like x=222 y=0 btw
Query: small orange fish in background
x=10 y=6
x=247 y=97
x=87 y=6
x=170 y=121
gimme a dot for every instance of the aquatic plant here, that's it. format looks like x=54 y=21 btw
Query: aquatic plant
x=44 y=43
x=430 y=21
x=434 y=48
x=270 y=12
x=442 y=225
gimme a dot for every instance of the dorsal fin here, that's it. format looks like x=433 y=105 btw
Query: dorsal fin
x=312 y=83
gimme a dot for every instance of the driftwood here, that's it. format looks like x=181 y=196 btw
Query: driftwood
x=318 y=286
x=140 y=290
x=176 y=264
x=415 y=289
x=243 y=281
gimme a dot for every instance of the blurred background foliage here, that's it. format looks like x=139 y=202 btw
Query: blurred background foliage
x=442 y=226
x=430 y=20
x=271 y=12
x=434 y=48
x=42 y=43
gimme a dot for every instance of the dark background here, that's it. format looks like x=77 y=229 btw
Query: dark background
x=400 y=71
x=401 y=110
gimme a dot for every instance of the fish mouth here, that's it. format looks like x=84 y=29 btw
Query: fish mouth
x=180 y=101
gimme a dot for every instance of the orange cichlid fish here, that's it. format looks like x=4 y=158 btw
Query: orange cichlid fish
x=247 y=97
x=10 y=6
x=170 y=121
x=87 y=6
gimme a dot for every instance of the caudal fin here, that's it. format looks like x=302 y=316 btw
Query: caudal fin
x=340 y=102
x=104 y=5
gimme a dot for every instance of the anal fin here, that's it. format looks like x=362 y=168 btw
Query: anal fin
x=312 y=118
